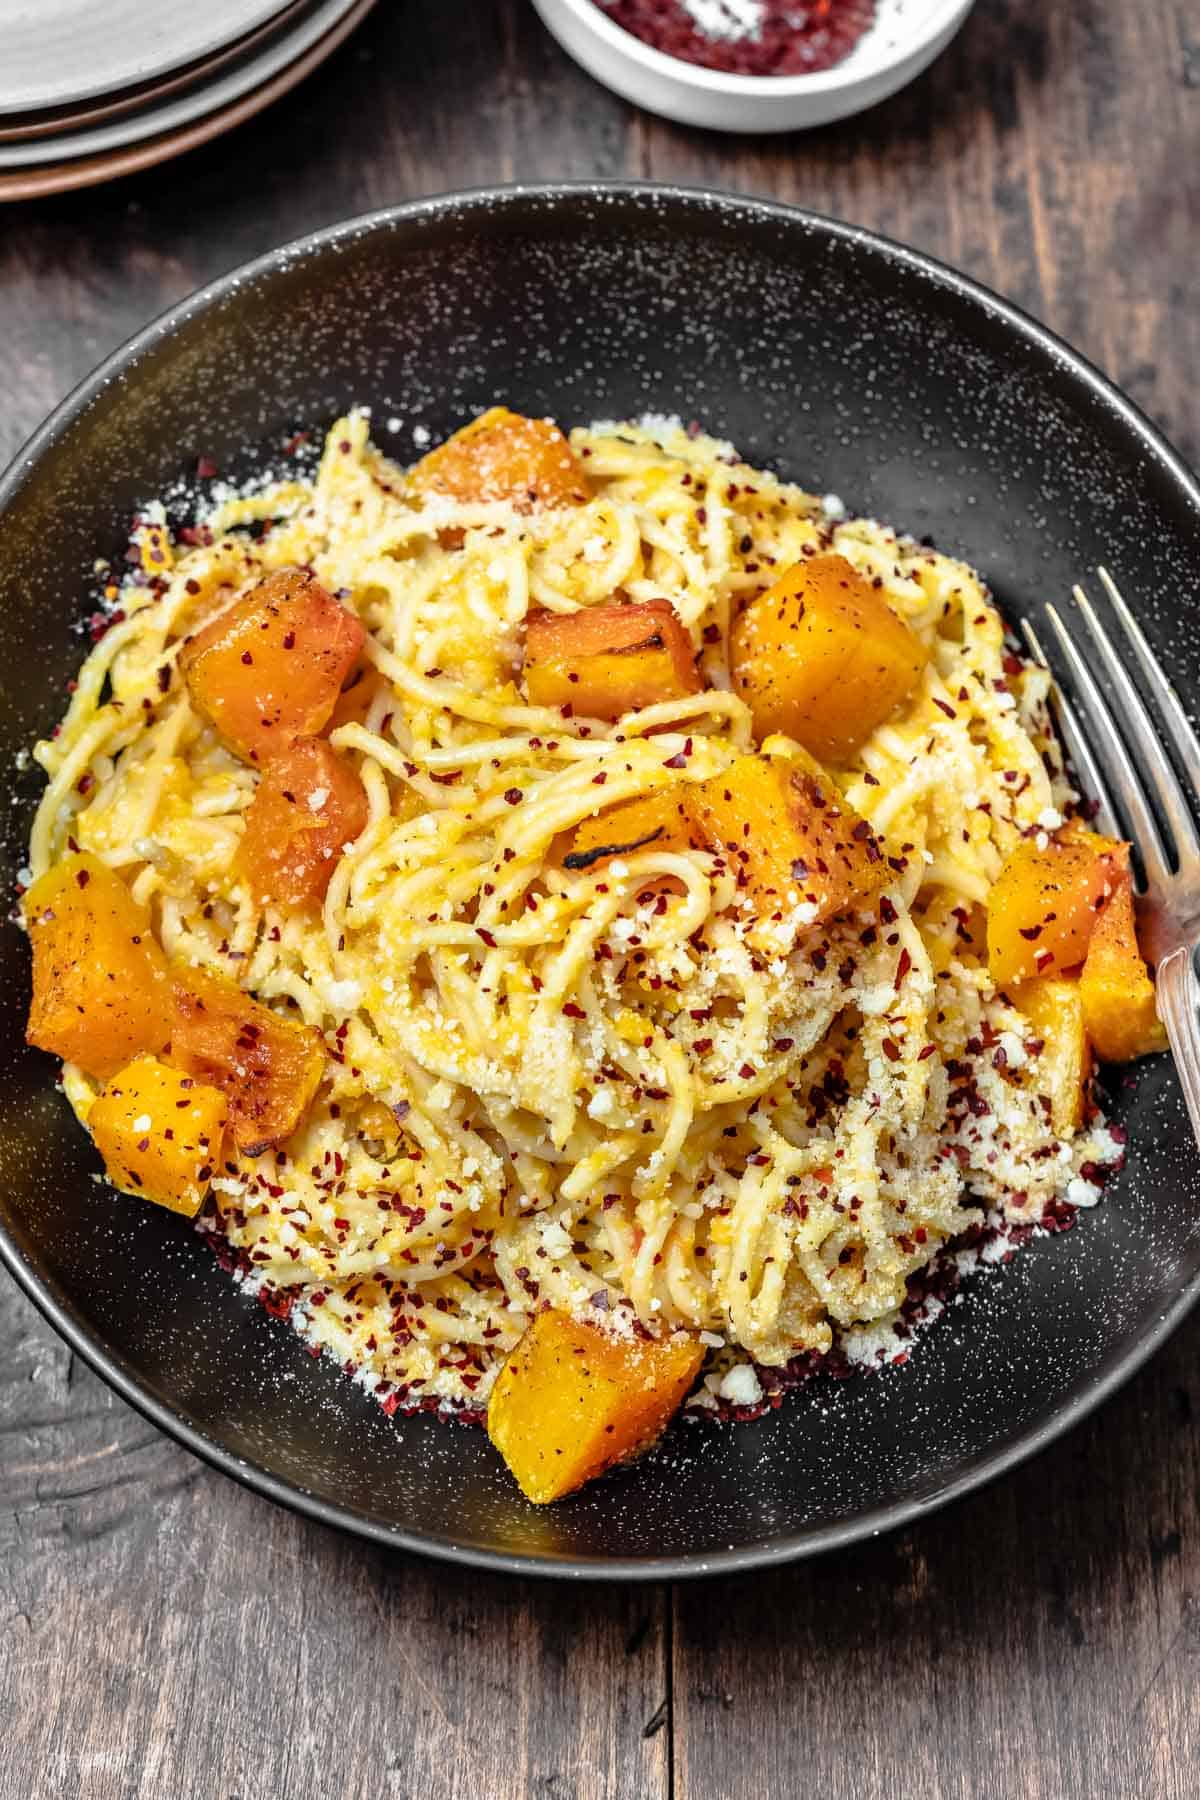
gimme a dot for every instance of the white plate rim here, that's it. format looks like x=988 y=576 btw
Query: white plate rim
x=196 y=103
x=85 y=172
x=189 y=45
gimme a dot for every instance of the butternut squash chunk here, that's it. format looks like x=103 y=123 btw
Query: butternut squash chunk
x=160 y=1133
x=571 y=1400
x=822 y=657
x=100 y=988
x=503 y=456
x=1054 y=1007
x=377 y=1124
x=308 y=804
x=792 y=839
x=355 y=702
x=604 y=661
x=1044 y=904
x=271 y=668
x=659 y=821
x=267 y=1068
x=1117 y=993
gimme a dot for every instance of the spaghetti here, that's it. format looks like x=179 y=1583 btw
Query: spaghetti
x=609 y=1087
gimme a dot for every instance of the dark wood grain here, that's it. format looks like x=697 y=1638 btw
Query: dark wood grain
x=163 y=1633
x=1042 y=1640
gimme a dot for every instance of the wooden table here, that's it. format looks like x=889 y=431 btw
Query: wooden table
x=165 y=1635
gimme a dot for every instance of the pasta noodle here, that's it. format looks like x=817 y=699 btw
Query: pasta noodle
x=607 y=1087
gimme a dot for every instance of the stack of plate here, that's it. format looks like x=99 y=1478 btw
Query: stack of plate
x=90 y=89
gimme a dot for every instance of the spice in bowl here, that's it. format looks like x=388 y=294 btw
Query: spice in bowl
x=748 y=37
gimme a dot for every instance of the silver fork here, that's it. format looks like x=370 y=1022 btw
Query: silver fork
x=1117 y=751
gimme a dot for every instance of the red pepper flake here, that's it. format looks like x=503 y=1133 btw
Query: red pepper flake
x=945 y=707
x=514 y=796
x=572 y=1011
x=206 y=468
x=891 y=1049
x=100 y=623
x=600 y=779
x=82 y=877
x=927 y=1052
x=487 y=937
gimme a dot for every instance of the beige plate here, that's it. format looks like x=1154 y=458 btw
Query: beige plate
x=60 y=178
x=56 y=53
x=18 y=128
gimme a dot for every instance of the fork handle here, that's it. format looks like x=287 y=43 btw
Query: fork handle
x=1178 y=993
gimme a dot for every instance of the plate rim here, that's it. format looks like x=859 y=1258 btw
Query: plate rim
x=113 y=1368
x=147 y=153
x=45 y=122
x=266 y=61
x=260 y=12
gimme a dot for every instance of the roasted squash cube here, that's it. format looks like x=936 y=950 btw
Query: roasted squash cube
x=267 y=1068
x=355 y=702
x=604 y=661
x=822 y=657
x=659 y=821
x=1044 y=903
x=270 y=669
x=308 y=805
x=572 y=1399
x=100 y=988
x=503 y=456
x=1116 y=991
x=791 y=838
x=160 y=1133
x=1054 y=1007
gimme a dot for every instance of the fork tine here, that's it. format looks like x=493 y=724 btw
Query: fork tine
x=1112 y=753
x=1079 y=751
x=1178 y=726
x=1142 y=733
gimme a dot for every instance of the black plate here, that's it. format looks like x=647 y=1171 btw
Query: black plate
x=847 y=364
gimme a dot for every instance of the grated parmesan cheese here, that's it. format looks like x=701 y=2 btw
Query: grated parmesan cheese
x=741 y=1386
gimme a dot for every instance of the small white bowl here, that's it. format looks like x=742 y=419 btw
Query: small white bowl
x=904 y=40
